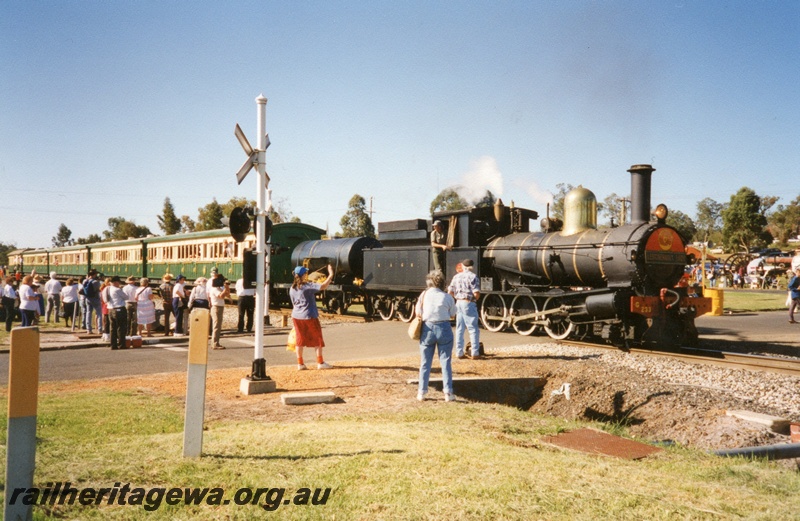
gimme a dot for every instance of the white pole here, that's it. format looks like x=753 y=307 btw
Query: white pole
x=261 y=196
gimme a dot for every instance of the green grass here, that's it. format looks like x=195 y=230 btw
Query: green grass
x=743 y=300
x=441 y=461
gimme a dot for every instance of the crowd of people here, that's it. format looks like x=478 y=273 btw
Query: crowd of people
x=116 y=311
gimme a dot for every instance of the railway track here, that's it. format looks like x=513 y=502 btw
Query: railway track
x=770 y=364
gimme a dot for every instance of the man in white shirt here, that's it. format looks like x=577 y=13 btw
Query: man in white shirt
x=130 y=306
x=178 y=298
x=53 y=290
x=217 y=295
x=116 y=300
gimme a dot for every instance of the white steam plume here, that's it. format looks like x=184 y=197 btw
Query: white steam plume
x=542 y=197
x=483 y=175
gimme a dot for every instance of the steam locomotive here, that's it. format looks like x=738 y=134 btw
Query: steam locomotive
x=570 y=279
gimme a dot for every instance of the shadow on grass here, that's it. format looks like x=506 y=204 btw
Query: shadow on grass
x=295 y=458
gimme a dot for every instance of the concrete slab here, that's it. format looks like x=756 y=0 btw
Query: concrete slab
x=775 y=423
x=248 y=386
x=599 y=442
x=308 y=398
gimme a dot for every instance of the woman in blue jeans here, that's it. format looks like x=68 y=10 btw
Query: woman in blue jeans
x=437 y=308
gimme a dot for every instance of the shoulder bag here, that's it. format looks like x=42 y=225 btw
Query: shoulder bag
x=415 y=327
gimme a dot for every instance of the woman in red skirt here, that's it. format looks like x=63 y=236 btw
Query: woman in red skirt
x=305 y=316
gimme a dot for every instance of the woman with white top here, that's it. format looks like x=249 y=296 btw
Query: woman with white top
x=69 y=300
x=145 y=307
x=28 y=301
x=437 y=308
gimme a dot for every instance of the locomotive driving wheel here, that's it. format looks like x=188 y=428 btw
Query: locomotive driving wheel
x=405 y=309
x=385 y=307
x=558 y=325
x=522 y=306
x=494 y=313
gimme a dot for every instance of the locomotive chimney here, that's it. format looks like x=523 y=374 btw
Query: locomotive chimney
x=640 y=193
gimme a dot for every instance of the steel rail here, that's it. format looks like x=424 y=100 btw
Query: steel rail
x=770 y=364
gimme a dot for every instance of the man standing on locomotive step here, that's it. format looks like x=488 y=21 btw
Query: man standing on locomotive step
x=464 y=288
x=438 y=246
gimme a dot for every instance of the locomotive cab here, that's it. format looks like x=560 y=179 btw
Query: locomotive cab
x=470 y=231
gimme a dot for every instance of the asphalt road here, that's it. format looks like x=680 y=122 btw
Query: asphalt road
x=346 y=341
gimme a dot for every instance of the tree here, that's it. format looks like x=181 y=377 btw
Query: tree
x=187 y=224
x=709 y=218
x=234 y=202
x=784 y=222
x=168 y=221
x=4 y=249
x=356 y=222
x=62 y=238
x=744 y=222
x=557 y=208
x=447 y=200
x=280 y=212
x=210 y=216
x=92 y=238
x=683 y=223
x=487 y=200
x=120 y=229
x=612 y=209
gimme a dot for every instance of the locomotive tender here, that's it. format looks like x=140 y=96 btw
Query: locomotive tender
x=575 y=280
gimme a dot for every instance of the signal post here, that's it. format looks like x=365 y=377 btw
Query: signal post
x=258 y=381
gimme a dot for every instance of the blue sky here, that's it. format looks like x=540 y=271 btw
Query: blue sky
x=108 y=107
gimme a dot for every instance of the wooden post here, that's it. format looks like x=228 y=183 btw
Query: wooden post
x=196 y=384
x=23 y=394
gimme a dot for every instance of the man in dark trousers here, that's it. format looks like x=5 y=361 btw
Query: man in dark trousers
x=438 y=246
x=117 y=314
x=246 y=300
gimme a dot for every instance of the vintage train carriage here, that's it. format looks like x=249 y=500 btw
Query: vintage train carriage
x=29 y=260
x=193 y=255
x=70 y=261
x=121 y=258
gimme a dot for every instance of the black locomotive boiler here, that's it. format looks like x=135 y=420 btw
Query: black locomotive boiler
x=571 y=280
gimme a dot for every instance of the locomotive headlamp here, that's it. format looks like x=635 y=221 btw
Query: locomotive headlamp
x=661 y=212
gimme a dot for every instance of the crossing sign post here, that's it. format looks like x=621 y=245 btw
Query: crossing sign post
x=258 y=381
